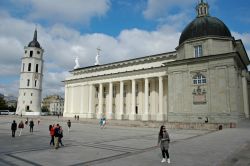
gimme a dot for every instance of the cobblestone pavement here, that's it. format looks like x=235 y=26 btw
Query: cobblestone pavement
x=87 y=144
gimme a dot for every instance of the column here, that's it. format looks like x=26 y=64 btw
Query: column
x=90 y=111
x=145 y=115
x=66 y=110
x=72 y=101
x=120 y=115
x=132 y=115
x=100 y=103
x=110 y=101
x=245 y=96
x=160 y=115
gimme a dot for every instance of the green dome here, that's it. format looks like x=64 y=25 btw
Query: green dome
x=204 y=25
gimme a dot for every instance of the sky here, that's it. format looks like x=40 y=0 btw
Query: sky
x=123 y=29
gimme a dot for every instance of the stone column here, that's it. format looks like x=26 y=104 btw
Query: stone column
x=132 y=115
x=245 y=96
x=110 y=101
x=120 y=115
x=90 y=111
x=145 y=115
x=100 y=103
x=160 y=115
x=72 y=101
x=66 y=110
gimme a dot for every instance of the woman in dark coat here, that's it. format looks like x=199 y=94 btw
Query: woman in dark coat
x=163 y=142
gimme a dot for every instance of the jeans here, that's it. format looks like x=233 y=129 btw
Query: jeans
x=165 y=151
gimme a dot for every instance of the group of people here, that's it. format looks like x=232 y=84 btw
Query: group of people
x=14 y=126
x=77 y=117
x=56 y=133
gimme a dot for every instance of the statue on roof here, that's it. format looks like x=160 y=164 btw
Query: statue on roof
x=97 y=56
x=77 y=63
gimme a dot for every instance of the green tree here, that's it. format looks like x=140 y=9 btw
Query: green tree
x=3 y=105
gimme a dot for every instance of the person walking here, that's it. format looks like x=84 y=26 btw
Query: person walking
x=163 y=142
x=21 y=126
x=31 y=125
x=69 y=125
x=103 y=122
x=57 y=130
x=60 y=136
x=52 y=133
x=13 y=128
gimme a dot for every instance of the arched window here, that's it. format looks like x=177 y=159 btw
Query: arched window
x=37 y=68
x=29 y=67
x=199 y=79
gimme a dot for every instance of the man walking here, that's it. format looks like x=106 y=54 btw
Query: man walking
x=31 y=125
x=69 y=125
x=56 y=136
x=13 y=128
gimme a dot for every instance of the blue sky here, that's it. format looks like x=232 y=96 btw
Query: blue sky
x=121 y=28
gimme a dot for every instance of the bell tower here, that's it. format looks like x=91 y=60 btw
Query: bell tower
x=30 y=89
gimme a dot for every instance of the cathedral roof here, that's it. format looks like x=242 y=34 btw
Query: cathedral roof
x=204 y=25
x=34 y=42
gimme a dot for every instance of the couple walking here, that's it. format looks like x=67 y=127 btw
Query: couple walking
x=56 y=133
x=14 y=127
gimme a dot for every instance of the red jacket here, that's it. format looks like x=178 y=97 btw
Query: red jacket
x=52 y=131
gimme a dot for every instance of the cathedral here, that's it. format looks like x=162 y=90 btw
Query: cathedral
x=205 y=80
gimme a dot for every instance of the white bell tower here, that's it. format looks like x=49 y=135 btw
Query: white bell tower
x=30 y=90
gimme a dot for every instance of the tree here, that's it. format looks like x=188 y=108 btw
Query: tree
x=3 y=105
x=45 y=109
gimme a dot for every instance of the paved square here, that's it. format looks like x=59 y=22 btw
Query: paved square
x=87 y=144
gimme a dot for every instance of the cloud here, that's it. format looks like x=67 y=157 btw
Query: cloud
x=245 y=37
x=159 y=8
x=76 y=11
x=62 y=44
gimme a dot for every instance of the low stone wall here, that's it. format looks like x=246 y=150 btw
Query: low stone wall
x=131 y=123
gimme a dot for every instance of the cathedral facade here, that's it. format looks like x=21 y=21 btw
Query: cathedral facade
x=205 y=79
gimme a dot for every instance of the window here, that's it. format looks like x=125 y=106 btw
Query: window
x=197 y=51
x=136 y=90
x=29 y=67
x=37 y=68
x=25 y=51
x=28 y=82
x=31 y=102
x=199 y=79
x=24 y=93
x=125 y=91
x=35 y=82
x=38 y=52
x=31 y=94
x=104 y=92
x=96 y=92
x=114 y=91
x=149 y=89
x=31 y=53
x=23 y=66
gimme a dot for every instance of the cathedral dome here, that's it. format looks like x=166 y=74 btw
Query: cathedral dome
x=204 y=25
x=34 y=42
